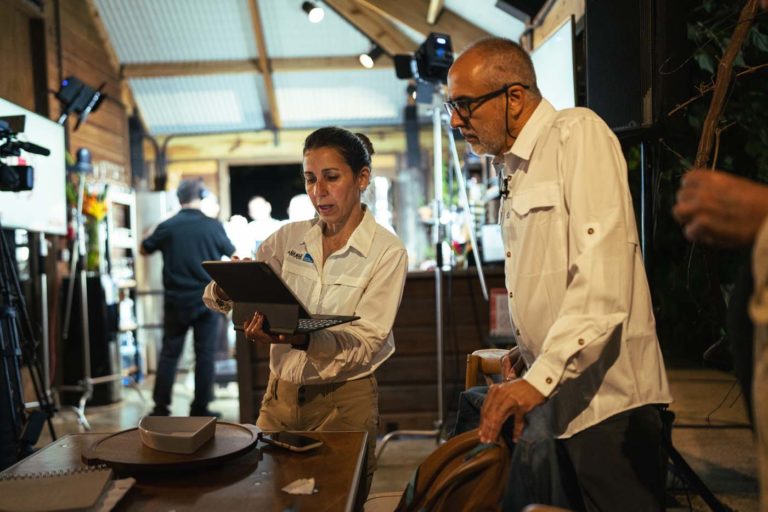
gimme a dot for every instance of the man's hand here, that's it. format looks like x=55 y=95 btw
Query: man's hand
x=516 y=397
x=512 y=364
x=719 y=208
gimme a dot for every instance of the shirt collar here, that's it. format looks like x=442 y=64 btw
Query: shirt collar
x=361 y=239
x=529 y=135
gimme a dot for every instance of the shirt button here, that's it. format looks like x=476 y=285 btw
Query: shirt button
x=548 y=380
x=510 y=295
x=509 y=254
x=507 y=215
x=590 y=231
x=517 y=331
x=581 y=341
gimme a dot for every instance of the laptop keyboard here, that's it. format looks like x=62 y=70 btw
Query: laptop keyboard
x=314 y=324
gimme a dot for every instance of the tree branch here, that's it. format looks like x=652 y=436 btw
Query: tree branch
x=704 y=89
x=723 y=80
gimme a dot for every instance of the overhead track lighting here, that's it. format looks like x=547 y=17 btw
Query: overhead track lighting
x=315 y=13
x=368 y=58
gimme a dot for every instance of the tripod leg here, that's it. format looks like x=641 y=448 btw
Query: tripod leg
x=80 y=412
x=684 y=471
x=680 y=467
x=397 y=433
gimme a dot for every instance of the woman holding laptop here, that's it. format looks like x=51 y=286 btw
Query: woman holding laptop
x=343 y=263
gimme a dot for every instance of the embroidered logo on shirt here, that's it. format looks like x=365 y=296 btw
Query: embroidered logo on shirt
x=301 y=257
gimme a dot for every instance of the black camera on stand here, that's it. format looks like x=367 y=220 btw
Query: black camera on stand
x=430 y=62
x=17 y=177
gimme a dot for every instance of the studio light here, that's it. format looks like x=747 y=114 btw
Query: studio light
x=78 y=98
x=315 y=13
x=368 y=58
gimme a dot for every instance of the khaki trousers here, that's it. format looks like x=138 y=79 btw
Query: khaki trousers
x=341 y=406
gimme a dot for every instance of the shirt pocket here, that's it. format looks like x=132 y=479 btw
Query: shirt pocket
x=301 y=277
x=533 y=230
x=342 y=294
x=535 y=205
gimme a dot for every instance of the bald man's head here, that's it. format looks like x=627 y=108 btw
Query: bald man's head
x=496 y=61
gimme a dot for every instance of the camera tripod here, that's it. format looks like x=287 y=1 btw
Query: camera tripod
x=20 y=429
x=440 y=120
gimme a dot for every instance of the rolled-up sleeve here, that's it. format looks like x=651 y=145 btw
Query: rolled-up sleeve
x=212 y=301
x=602 y=247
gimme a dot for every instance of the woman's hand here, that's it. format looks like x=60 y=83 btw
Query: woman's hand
x=218 y=290
x=254 y=331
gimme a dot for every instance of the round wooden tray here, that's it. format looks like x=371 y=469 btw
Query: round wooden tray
x=125 y=452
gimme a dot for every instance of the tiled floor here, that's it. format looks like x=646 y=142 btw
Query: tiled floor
x=711 y=432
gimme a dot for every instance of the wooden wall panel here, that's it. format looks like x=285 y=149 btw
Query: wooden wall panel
x=16 y=75
x=84 y=55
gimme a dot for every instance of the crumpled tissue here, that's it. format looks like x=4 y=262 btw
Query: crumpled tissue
x=301 y=486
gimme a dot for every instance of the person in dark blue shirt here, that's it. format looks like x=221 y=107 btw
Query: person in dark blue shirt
x=185 y=241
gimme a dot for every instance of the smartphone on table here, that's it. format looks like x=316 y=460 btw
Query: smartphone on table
x=291 y=441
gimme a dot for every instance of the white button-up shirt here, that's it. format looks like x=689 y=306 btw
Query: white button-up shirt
x=364 y=278
x=579 y=298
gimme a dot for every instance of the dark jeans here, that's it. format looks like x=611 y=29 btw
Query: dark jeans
x=205 y=324
x=534 y=474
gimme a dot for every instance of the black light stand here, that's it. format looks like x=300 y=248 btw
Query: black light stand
x=85 y=386
x=78 y=272
x=18 y=347
x=677 y=464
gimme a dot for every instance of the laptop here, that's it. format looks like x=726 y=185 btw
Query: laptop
x=254 y=286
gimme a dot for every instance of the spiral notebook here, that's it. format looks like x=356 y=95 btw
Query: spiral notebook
x=60 y=491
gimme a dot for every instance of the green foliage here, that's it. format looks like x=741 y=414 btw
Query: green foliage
x=687 y=315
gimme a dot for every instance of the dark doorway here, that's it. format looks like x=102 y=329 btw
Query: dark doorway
x=277 y=183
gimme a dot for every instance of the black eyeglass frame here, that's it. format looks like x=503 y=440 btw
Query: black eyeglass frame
x=467 y=102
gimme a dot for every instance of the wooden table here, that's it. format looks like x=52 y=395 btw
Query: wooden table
x=250 y=482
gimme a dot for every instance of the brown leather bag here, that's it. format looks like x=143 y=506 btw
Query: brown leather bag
x=461 y=475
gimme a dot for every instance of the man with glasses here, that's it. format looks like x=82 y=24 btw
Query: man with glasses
x=578 y=295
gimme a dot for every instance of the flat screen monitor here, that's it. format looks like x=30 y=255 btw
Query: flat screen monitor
x=44 y=208
x=554 y=66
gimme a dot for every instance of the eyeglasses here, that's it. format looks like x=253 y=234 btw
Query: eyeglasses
x=466 y=105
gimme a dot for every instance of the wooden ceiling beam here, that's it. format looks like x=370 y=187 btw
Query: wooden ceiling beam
x=160 y=69
x=350 y=63
x=261 y=47
x=414 y=14
x=376 y=27
x=434 y=10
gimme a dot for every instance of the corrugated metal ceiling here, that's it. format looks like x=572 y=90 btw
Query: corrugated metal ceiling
x=219 y=31
x=144 y=31
x=193 y=104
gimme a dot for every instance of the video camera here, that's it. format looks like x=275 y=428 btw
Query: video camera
x=430 y=62
x=15 y=178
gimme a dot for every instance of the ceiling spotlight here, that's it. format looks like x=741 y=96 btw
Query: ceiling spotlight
x=315 y=13
x=368 y=58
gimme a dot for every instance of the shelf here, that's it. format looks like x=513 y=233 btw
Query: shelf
x=126 y=283
x=128 y=328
